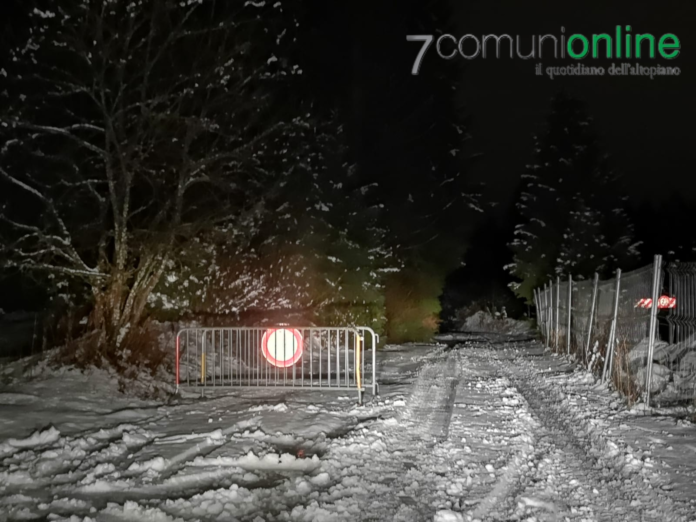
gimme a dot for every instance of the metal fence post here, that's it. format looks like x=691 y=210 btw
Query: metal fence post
x=570 y=308
x=591 y=319
x=540 y=314
x=558 y=308
x=671 y=293
x=375 y=387
x=546 y=317
x=657 y=269
x=538 y=311
x=612 y=332
x=550 y=311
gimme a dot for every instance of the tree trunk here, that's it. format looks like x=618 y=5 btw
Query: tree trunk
x=119 y=306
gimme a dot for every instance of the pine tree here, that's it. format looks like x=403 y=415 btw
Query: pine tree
x=582 y=241
x=408 y=138
x=570 y=207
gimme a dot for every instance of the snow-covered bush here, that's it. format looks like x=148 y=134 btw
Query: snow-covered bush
x=312 y=250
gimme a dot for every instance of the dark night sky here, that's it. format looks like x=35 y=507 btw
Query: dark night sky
x=648 y=126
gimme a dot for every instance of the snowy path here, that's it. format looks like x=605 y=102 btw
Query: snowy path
x=568 y=476
x=491 y=430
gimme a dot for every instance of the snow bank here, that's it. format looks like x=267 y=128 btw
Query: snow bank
x=483 y=321
x=133 y=511
x=269 y=462
x=448 y=516
x=36 y=439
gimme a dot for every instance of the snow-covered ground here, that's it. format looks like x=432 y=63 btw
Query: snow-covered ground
x=490 y=429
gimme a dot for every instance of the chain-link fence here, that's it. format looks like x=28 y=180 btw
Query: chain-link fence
x=679 y=356
x=563 y=316
x=611 y=328
x=543 y=312
x=605 y=319
x=553 y=317
x=631 y=341
x=582 y=311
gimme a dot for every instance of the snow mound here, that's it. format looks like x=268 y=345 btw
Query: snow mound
x=36 y=439
x=269 y=462
x=132 y=511
x=483 y=321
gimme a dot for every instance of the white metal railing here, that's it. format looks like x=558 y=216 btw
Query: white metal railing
x=283 y=357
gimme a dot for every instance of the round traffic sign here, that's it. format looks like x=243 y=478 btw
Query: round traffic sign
x=282 y=347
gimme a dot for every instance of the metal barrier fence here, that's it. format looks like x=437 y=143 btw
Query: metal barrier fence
x=680 y=358
x=611 y=328
x=280 y=357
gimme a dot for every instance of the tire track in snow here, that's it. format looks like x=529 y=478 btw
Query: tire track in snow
x=433 y=398
x=435 y=469
x=565 y=471
x=502 y=434
x=398 y=469
x=509 y=482
x=424 y=424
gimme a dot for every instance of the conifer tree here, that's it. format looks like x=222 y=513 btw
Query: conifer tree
x=408 y=138
x=570 y=208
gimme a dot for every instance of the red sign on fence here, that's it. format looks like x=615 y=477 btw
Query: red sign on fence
x=282 y=347
x=663 y=302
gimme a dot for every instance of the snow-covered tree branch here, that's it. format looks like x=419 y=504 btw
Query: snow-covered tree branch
x=131 y=127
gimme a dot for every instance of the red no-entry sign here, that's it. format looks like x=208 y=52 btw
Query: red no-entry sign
x=282 y=347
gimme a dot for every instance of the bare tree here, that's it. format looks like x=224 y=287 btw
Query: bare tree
x=130 y=128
